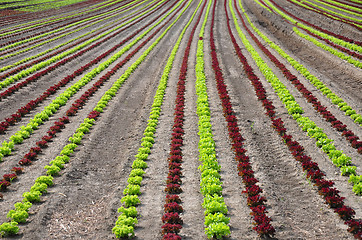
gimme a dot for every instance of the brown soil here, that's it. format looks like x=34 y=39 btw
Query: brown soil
x=84 y=200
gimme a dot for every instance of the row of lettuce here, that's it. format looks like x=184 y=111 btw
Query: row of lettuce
x=31 y=105
x=331 y=13
x=59 y=59
x=335 y=99
x=172 y=222
x=171 y=219
x=19 y=213
x=350 y=46
x=253 y=191
x=53 y=19
x=313 y=172
x=337 y=157
x=65 y=45
x=72 y=110
x=216 y=210
x=308 y=95
x=61 y=100
x=216 y=221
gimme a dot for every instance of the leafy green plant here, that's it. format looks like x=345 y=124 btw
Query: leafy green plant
x=142 y=156
x=128 y=221
x=58 y=162
x=130 y=200
x=355 y=179
x=214 y=207
x=83 y=129
x=23 y=206
x=135 y=180
x=123 y=231
x=144 y=150
x=148 y=139
x=17 y=138
x=9 y=229
x=216 y=218
x=343 y=160
x=76 y=140
x=52 y=170
x=348 y=170
x=139 y=164
x=211 y=189
x=137 y=172
x=357 y=188
x=217 y=230
x=41 y=187
x=62 y=158
x=66 y=152
x=132 y=189
x=129 y=212
x=18 y=216
x=48 y=180
x=33 y=196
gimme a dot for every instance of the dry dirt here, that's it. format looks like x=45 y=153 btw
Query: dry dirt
x=84 y=200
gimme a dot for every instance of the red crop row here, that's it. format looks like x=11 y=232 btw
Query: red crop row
x=330 y=15
x=27 y=44
x=28 y=16
x=349 y=3
x=349 y=52
x=327 y=115
x=22 y=67
x=255 y=200
x=54 y=35
x=52 y=23
x=32 y=154
x=11 y=120
x=16 y=87
x=355 y=41
x=18 y=69
x=172 y=221
x=80 y=102
x=330 y=195
x=341 y=7
x=16 y=117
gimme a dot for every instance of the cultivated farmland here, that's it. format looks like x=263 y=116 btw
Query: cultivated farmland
x=181 y=119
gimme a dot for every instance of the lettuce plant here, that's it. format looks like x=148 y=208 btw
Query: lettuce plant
x=9 y=229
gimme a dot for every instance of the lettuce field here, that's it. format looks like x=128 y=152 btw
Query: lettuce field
x=181 y=119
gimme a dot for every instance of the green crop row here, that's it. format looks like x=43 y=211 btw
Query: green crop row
x=340 y=9
x=60 y=29
x=49 y=5
x=62 y=99
x=210 y=186
x=343 y=106
x=337 y=157
x=124 y=226
x=343 y=5
x=72 y=40
x=262 y=5
x=53 y=20
x=19 y=215
x=335 y=52
x=46 y=63
x=326 y=10
x=340 y=42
